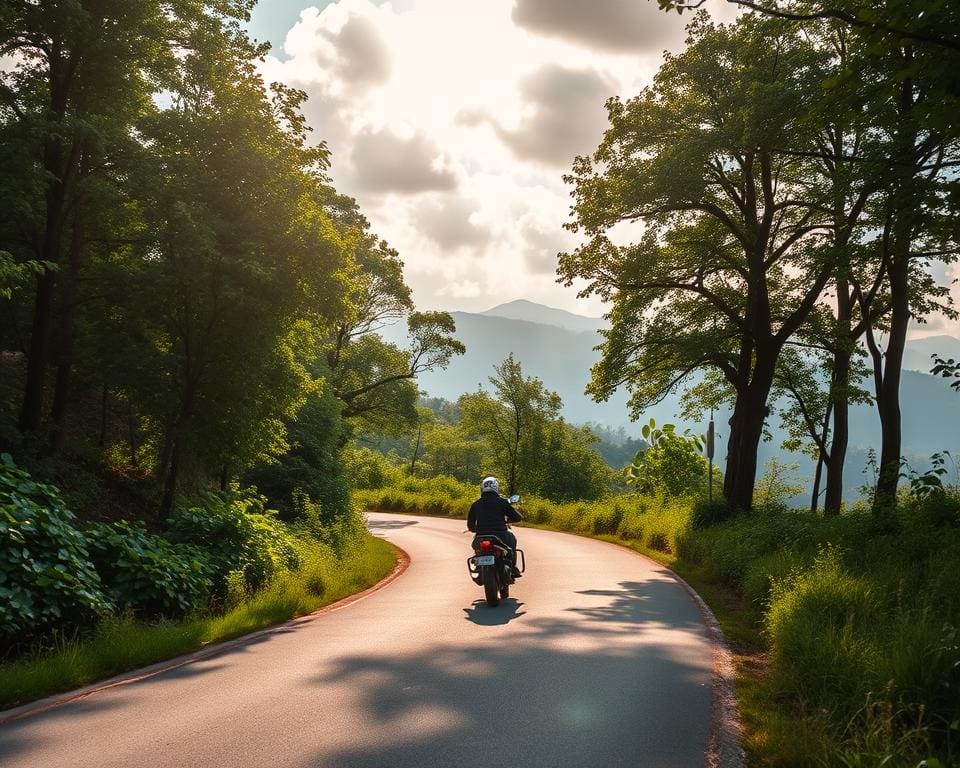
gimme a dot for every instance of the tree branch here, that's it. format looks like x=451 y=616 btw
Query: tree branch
x=838 y=14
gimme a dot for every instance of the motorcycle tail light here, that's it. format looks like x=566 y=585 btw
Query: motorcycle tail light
x=486 y=545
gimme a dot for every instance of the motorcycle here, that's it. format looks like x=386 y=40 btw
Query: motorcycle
x=489 y=565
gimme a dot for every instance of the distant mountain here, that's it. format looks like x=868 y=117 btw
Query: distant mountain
x=917 y=355
x=559 y=348
x=521 y=309
x=562 y=358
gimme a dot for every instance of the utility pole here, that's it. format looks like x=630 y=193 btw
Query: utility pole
x=710 y=457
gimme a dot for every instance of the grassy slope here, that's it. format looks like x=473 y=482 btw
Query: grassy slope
x=119 y=645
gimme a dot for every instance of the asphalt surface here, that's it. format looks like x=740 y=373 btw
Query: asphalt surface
x=599 y=658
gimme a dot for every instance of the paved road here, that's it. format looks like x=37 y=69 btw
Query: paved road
x=600 y=659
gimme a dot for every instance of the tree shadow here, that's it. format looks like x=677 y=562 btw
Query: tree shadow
x=390 y=525
x=643 y=603
x=604 y=689
x=621 y=677
x=19 y=736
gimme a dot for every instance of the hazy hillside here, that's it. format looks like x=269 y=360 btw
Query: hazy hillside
x=561 y=357
x=917 y=355
x=558 y=347
x=538 y=313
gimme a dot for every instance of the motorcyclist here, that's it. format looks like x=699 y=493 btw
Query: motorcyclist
x=490 y=514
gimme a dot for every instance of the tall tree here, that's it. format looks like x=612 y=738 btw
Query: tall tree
x=509 y=418
x=915 y=218
x=733 y=258
x=241 y=271
x=375 y=380
x=917 y=22
x=83 y=70
x=911 y=54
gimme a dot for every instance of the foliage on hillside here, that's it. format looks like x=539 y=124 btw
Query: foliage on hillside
x=513 y=431
x=57 y=574
x=185 y=295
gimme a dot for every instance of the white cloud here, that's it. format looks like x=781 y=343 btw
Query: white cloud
x=620 y=26
x=564 y=116
x=543 y=243
x=363 y=55
x=385 y=162
x=465 y=289
x=938 y=323
x=451 y=223
x=452 y=126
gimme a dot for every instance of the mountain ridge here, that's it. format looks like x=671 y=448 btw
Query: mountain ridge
x=532 y=312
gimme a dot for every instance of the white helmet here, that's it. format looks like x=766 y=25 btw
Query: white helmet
x=489 y=484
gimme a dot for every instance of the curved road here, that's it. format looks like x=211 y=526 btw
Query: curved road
x=599 y=659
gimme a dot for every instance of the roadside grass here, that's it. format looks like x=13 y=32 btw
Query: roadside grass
x=122 y=643
x=844 y=630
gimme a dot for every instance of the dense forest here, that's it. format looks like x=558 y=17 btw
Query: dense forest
x=189 y=314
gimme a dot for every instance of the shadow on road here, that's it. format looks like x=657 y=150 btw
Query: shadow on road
x=390 y=525
x=609 y=686
x=637 y=604
x=482 y=614
x=13 y=736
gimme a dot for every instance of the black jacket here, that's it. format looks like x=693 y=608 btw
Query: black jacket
x=490 y=513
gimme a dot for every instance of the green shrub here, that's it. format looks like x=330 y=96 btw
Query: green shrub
x=146 y=572
x=817 y=622
x=119 y=643
x=339 y=533
x=236 y=591
x=707 y=513
x=941 y=508
x=761 y=574
x=237 y=533
x=671 y=465
x=46 y=576
x=607 y=518
x=668 y=524
x=367 y=468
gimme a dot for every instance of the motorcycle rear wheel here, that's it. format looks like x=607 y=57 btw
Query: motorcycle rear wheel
x=490 y=586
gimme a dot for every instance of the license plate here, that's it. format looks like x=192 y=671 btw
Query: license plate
x=486 y=560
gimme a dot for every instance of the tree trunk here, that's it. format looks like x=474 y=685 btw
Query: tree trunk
x=174 y=444
x=833 y=497
x=888 y=398
x=56 y=198
x=733 y=441
x=815 y=495
x=416 y=449
x=61 y=394
x=170 y=485
x=750 y=411
x=905 y=202
x=745 y=460
x=840 y=400
x=166 y=451
x=37 y=356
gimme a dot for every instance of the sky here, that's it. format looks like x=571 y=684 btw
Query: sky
x=452 y=123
